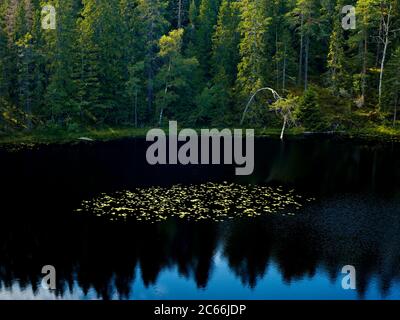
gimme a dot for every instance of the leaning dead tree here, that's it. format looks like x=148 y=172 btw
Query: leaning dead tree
x=274 y=93
x=283 y=108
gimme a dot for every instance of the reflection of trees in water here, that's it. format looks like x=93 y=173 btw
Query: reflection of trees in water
x=104 y=256
x=360 y=232
x=329 y=167
x=247 y=249
x=281 y=240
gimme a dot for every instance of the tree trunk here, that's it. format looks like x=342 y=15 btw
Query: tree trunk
x=386 y=30
x=82 y=84
x=150 y=71
x=284 y=71
x=395 y=110
x=364 y=70
x=276 y=57
x=165 y=92
x=284 y=126
x=150 y=88
x=306 y=63
x=378 y=46
x=301 y=51
x=179 y=14
x=161 y=116
x=26 y=82
x=381 y=71
x=136 y=119
x=274 y=93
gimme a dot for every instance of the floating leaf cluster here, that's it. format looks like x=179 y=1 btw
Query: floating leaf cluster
x=209 y=201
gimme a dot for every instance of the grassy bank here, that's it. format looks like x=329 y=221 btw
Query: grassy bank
x=63 y=136
x=38 y=137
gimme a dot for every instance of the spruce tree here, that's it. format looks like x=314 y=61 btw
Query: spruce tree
x=360 y=42
x=307 y=19
x=174 y=79
x=4 y=54
x=62 y=55
x=216 y=103
x=101 y=83
x=25 y=58
x=392 y=84
x=206 y=20
x=336 y=56
x=153 y=24
x=253 y=27
x=310 y=115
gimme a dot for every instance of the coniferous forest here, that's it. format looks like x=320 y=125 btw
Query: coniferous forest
x=141 y=63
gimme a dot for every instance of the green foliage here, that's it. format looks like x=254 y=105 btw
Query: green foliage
x=174 y=79
x=216 y=101
x=134 y=87
x=103 y=66
x=126 y=62
x=338 y=77
x=13 y=119
x=3 y=63
x=287 y=105
x=61 y=105
x=253 y=26
x=309 y=113
x=225 y=56
x=392 y=84
x=205 y=23
x=151 y=24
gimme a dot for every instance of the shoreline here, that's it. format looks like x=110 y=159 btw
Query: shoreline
x=37 y=138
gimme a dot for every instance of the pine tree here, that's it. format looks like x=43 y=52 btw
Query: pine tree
x=307 y=18
x=113 y=62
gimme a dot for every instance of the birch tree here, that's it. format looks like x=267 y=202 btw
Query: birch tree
x=285 y=108
x=174 y=77
x=387 y=22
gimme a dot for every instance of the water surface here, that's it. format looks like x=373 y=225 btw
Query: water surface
x=293 y=253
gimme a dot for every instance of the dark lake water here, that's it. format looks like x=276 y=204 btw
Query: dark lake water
x=354 y=219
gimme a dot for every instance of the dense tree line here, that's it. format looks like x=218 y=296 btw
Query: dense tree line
x=144 y=62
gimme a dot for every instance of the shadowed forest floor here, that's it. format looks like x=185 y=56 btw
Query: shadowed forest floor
x=35 y=137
